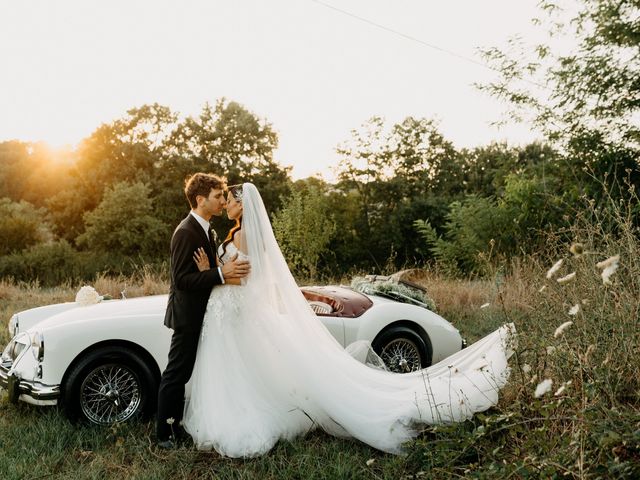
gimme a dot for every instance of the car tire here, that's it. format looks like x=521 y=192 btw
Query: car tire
x=111 y=384
x=403 y=349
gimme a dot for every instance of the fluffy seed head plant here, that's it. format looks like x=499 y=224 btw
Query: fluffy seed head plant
x=554 y=269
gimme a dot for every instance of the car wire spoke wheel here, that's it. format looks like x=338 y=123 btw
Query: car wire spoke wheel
x=110 y=394
x=401 y=355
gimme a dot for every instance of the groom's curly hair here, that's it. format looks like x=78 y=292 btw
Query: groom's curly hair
x=202 y=184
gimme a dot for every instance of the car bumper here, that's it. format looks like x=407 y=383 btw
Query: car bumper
x=33 y=392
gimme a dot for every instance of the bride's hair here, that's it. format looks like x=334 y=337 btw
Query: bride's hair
x=236 y=191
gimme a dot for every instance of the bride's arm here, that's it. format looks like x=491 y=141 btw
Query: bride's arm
x=237 y=237
x=237 y=240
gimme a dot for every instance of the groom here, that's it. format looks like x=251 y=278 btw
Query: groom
x=189 y=294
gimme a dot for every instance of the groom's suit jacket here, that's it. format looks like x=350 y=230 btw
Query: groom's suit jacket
x=190 y=288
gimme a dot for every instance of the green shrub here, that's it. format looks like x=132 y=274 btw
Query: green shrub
x=304 y=229
x=470 y=227
x=533 y=209
x=59 y=263
x=124 y=223
x=480 y=227
x=21 y=226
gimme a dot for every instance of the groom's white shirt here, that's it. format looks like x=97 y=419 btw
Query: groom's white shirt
x=206 y=226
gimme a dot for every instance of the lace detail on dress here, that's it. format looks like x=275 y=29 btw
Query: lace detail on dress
x=230 y=252
x=226 y=300
x=223 y=301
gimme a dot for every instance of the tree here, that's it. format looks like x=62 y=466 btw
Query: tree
x=67 y=209
x=304 y=228
x=33 y=171
x=471 y=229
x=231 y=141
x=477 y=227
x=21 y=226
x=586 y=101
x=396 y=175
x=13 y=159
x=531 y=208
x=423 y=160
x=124 y=223
x=128 y=149
x=361 y=170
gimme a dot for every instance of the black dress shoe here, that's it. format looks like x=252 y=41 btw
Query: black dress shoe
x=181 y=435
x=167 y=444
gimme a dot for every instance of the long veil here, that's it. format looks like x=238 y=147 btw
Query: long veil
x=322 y=382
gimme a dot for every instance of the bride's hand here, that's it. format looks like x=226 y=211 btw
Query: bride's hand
x=201 y=259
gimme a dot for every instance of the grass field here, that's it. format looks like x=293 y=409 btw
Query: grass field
x=588 y=429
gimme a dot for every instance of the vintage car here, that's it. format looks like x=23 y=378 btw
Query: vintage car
x=102 y=362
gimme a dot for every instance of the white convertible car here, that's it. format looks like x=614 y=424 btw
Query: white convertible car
x=102 y=362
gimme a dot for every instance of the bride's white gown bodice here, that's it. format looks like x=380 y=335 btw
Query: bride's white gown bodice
x=267 y=371
x=223 y=299
x=228 y=251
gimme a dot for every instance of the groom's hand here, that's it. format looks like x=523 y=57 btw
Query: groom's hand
x=236 y=268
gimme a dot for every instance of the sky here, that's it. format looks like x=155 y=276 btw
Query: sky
x=313 y=72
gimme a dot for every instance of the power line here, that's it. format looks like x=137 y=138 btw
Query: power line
x=404 y=35
x=417 y=40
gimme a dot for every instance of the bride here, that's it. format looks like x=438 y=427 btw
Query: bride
x=267 y=368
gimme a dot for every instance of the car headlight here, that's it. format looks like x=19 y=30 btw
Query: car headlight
x=7 y=353
x=15 y=348
x=14 y=325
x=37 y=345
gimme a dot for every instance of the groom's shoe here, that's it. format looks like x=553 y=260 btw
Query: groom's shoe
x=166 y=444
x=182 y=438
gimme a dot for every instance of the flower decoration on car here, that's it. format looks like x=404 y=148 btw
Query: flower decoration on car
x=88 y=296
x=398 y=291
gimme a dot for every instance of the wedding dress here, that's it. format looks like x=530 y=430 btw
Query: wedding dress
x=267 y=368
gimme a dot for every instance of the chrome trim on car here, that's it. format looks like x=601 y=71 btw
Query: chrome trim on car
x=37 y=345
x=17 y=387
x=14 y=325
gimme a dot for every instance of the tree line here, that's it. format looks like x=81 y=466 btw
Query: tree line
x=404 y=195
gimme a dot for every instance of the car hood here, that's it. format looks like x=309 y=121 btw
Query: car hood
x=138 y=307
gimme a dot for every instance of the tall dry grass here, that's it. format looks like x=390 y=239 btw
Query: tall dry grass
x=579 y=337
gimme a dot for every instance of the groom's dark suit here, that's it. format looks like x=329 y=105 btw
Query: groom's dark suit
x=188 y=295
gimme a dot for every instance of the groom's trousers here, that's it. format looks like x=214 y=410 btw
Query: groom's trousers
x=182 y=356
